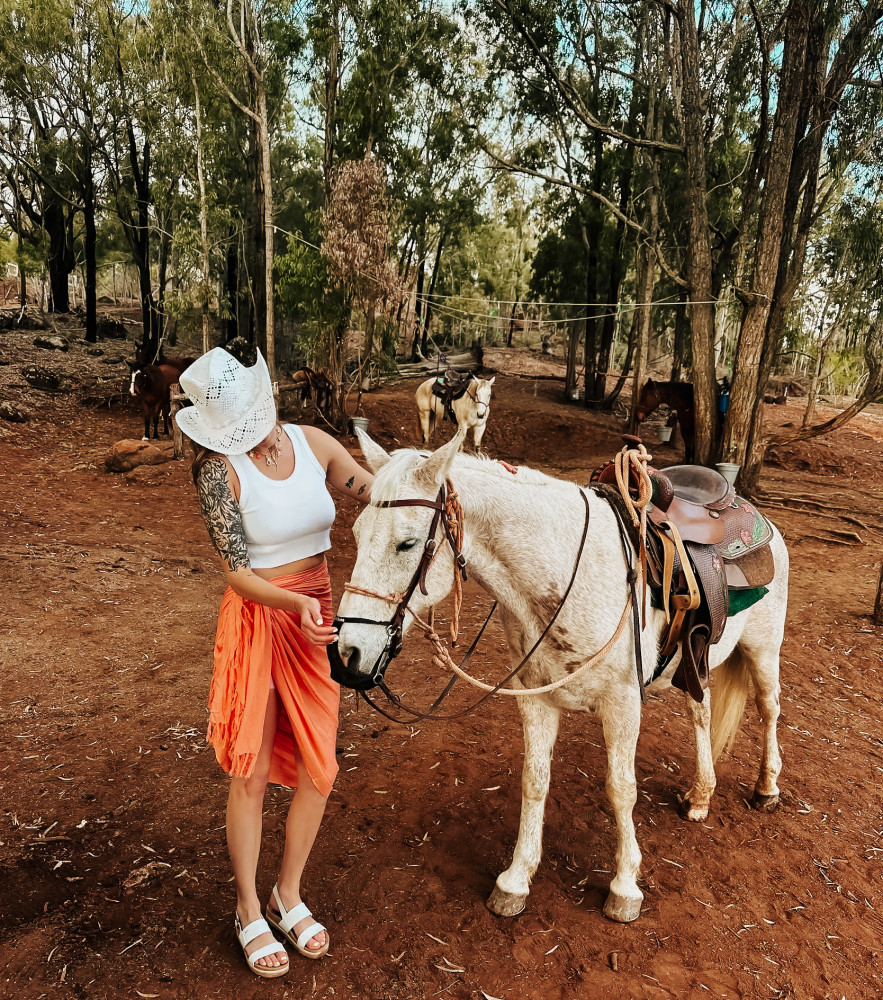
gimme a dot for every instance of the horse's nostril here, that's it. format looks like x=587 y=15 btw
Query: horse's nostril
x=351 y=657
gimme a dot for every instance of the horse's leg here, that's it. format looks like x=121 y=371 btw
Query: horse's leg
x=478 y=434
x=424 y=415
x=540 y=723
x=763 y=665
x=146 y=424
x=622 y=722
x=696 y=802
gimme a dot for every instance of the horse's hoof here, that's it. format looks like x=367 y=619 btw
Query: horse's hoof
x=765 y=803
x=622 y=909
x=686 y=810
x=506 y=904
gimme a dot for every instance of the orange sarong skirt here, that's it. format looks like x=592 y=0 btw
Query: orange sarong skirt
x=253 y=643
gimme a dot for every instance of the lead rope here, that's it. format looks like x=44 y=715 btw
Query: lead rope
x=442 y=658
x=454 y=518
x=635 y=461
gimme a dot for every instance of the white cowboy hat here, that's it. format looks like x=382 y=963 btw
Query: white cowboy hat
x=233 y=407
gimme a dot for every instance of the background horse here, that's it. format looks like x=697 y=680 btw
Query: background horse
x=678 y=396
x=471 y=409
x=142 y=358
x=313 y=385
x=151 y=385
x=521 y=535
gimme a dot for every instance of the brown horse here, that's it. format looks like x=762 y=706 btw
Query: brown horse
x=142 y=357
x=313 y=385
x=679 y=397
x=151 y=385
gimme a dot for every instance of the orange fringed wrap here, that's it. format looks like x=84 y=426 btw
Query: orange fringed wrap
x=252 y=642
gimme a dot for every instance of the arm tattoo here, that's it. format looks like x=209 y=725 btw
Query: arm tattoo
x=350 y=482
x=362 y=488
x=221 y=514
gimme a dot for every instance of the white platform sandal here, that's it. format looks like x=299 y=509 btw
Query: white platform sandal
x=247 y=935
x=287 y=920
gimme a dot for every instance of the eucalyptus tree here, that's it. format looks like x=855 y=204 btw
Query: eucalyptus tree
x=758 y=115
x=588 y=120
x=387 y=79
x=43 y=142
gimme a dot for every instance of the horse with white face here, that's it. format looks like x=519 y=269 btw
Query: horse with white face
x=521 y=536
x=471 y=409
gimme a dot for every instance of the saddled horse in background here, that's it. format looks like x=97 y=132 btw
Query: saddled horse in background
x=522 y=536
x=470 y=408
x=151 y=385
x=679 y=397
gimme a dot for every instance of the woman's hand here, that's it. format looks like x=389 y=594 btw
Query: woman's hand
x=315 y=628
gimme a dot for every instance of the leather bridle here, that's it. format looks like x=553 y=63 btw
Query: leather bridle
x=393 y=646
x=478 y=403
x=365 y=682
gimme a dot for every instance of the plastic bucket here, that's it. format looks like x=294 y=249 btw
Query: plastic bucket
x=359 y=423
x=663 y=432
x=729 y=470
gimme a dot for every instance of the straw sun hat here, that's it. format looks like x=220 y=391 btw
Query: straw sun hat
x=233 y=407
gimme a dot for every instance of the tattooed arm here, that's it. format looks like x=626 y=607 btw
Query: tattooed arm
x=342 y=471
x=223 y=518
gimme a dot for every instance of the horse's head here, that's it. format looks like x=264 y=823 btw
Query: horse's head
x=391 y=542
x=138 y=379
x=648 y=400
x=480 y=391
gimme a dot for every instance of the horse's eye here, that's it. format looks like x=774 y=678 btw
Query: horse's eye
x=408 y=543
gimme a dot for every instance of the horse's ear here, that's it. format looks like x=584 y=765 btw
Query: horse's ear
x=491 y=380
x=436 y=468
x=375 y=456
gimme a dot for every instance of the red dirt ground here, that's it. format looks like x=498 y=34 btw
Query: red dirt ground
x=114 y=880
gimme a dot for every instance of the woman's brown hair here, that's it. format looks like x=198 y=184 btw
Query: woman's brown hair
x=200 y=457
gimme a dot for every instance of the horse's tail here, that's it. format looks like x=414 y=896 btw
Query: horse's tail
x=728 y=702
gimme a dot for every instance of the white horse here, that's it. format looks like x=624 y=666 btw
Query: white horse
x=471 y=409
x=521 y=537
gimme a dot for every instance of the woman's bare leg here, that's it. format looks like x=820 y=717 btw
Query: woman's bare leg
x=245 y=806
x=301 y=827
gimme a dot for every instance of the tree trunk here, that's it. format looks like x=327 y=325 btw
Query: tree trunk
x=90 y=241
x=699 y=261
x=745 y=411
x=332 y=82
x=231 y=278
x=60 y=260
x=617 y=264
x=205 y=291
x=427 y=311
x=269 y=230
x=644 y=294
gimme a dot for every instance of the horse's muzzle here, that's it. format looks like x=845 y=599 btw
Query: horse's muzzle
x=345 y=672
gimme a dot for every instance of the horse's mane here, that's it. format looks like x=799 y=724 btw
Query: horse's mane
x=403 y=461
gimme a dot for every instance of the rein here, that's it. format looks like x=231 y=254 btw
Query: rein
x=442 y=656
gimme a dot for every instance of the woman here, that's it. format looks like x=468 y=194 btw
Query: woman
x=273 y=705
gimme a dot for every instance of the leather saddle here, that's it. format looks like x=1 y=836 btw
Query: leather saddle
x=451 y=385
x=701 y=542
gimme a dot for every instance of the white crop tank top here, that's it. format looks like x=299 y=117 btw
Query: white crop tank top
x=285 y=519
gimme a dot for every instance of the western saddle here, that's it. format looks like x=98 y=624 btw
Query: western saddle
x=696 y=542
x=451 y=385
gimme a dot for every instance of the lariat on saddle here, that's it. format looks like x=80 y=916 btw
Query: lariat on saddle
x=630 y=465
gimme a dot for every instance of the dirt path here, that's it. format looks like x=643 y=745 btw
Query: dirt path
x=113 y=873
